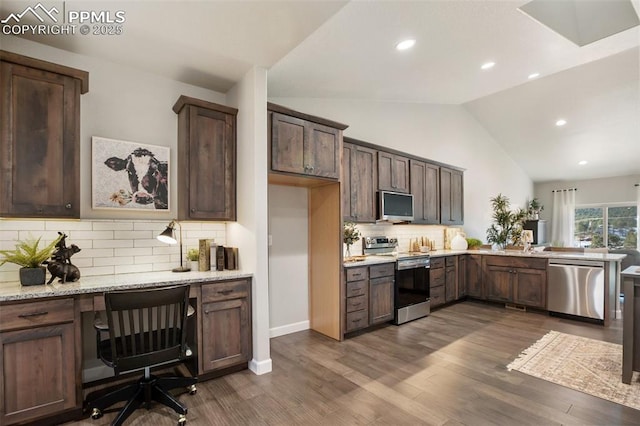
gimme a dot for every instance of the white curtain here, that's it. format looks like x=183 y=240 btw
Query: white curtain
x=563 y=217
x=638 y=213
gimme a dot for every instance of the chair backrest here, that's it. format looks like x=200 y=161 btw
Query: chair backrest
x=147 y=327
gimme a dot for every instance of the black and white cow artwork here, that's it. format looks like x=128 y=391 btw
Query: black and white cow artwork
x=146 y=171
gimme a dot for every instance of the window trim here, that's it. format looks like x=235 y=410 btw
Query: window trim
x=605 y=218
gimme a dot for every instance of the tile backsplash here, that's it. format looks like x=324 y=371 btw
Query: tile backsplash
x=110 y=246
x=403 y=233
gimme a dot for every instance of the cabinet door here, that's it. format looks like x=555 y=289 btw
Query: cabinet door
x=364 y=179
x=462 y=276
x=380 y=299
x=450 y=284
x=499 y=283
x=393 y=172
x=348 y=194
x=425 y=188
x=226 y=334
x=288 y=144
x=451 y=197
x=474 y=276
x=40 y=143
x=322 y=152
x=530 y=287
x=211 y=165
x=38 y=374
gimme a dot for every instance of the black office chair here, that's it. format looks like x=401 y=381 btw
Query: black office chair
x=145 y=329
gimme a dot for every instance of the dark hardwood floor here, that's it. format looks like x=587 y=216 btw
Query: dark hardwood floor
x=446 y=369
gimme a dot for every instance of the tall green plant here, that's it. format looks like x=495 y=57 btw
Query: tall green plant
x=507 y=226
x=27 y=254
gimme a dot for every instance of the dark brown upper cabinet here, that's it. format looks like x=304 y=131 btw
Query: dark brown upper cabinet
x=425 y=187
x=393 y=172
x=305 y=145
x=40 y=137
x=359 y=183
x=206 y=160
x=451 y=196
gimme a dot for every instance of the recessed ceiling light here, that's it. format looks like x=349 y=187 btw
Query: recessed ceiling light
x=561 y=122
x=405 y=44
x=487 y=65
x=583 y=162
x=534 y=75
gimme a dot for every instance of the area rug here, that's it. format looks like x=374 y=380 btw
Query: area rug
x=586 y=365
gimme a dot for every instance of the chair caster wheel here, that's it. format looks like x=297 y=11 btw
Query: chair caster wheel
x=192 y=389
x=182 y=420
x=96 y=414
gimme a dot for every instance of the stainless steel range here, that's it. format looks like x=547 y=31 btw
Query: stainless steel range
x=411 y=298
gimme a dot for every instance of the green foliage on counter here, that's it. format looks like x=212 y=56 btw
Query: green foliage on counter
x=473 y=242
x=193 y=254
x=507 y=226
x=27 y=254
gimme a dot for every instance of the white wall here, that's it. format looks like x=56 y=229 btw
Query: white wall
x=444 y=133
x=613 y=190
x=288 y=259
x=249 y=232
x=122 y=103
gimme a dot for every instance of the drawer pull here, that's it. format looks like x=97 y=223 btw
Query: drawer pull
x=356 y=275
x=356 y=320
x=33 y=314
x=225 y=292
x=355 y=305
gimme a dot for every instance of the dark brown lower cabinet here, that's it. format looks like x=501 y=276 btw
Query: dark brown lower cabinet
x=474 y=276
x=437 y=282
x=462 y=275
x=226 y=325
x=369 y=292
x=450 y=279
x=37 y=356
x=518 y=280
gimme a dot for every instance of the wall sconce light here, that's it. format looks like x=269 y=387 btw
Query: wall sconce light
x=168 y=238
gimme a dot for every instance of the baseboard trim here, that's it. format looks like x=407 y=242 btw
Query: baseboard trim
x=261 y=367
x=288 y=329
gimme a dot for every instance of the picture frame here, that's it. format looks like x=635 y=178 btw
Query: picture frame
x=129 y=175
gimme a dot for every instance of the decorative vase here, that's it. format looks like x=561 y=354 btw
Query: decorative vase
x=347 y=254
x=32 y=276
x=194 y=265
x=459 y=242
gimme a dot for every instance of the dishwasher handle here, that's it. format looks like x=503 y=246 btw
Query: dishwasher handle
x=576 y=262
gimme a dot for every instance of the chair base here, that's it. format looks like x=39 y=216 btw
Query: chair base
x=143 y=392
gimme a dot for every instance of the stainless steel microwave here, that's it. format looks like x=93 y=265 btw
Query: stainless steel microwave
x=395 y=207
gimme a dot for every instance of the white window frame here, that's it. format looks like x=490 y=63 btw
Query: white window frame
x=605 y=218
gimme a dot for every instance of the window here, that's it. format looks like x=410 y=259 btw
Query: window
x=621 y=230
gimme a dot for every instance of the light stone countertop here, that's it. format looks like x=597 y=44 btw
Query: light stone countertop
x=11 y=291
x=605 y=257
x=632 y=271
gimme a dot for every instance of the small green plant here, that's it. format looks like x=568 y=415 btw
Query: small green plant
x=534 y=208
x=507 y=226
x=27 y=254
x=473 y=242
x=193 y=254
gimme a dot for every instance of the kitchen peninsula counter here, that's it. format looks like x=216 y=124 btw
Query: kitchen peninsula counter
x=14 y=291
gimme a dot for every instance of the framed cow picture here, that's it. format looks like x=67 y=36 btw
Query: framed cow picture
x=129 y=175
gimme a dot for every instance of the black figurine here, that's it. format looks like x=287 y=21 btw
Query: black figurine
x=60 y=265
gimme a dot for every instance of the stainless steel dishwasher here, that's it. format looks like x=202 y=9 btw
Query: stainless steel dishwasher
x=576 y=287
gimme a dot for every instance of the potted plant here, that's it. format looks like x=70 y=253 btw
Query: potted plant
x=533 y=209
x=350 y=234
x=29 y=257
x=473 y=243
x=193 y=256
x=507 y=226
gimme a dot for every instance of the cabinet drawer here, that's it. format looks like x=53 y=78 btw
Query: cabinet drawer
x=437 y=295
x=357 y=320
x=224 y=291
x=516 y=262
x=356 y=288
x=436 y=277
x=450 y=261
x=357 y=274
x=35 y=314
x=356 y=303
x=438 y=262
x=384 y=270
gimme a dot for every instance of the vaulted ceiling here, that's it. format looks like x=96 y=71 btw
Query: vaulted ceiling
x=338 y=49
